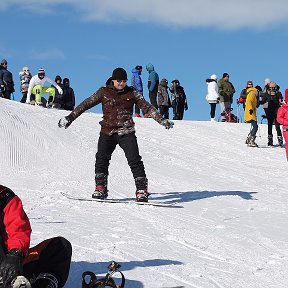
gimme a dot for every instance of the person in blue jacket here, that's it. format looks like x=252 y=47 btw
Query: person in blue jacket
x=153 y=82
x=136 y=83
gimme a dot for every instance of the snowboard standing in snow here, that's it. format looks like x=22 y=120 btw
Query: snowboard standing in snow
x=117 y=128
x=119 y=201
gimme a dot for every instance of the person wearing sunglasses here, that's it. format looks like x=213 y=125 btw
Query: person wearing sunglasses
x=118 y=128
x=25 y=77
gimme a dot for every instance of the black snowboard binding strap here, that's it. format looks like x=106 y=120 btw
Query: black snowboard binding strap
x=89 y=279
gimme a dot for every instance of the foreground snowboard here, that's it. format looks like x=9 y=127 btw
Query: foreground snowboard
x=123 y=201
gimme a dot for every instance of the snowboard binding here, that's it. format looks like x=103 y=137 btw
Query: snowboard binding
x=89 y=279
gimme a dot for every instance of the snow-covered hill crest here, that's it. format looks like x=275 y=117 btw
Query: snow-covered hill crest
x=230 y=232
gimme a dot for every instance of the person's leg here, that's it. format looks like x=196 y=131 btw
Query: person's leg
x=48 y=260
x=212 y=110
x=37 y=91
x=106 y=146
x=153 y=99
x=285 y=134
x=270 y=121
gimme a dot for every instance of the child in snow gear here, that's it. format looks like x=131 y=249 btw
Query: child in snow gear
x=250 y=115
x=282 y=118
x=212 y=95
x=44 y=266
x=179 y=100
x=163 y=98
x=107 y=281
x=25 y=77
x=136 y=83
x=117 y=127
x=272 y=99
x=36 y=86
x=58 y=101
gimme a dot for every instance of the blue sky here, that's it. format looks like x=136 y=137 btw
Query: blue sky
x=184 y=39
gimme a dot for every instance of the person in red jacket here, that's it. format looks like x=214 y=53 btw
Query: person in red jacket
x=282 y=118
x=46 y=265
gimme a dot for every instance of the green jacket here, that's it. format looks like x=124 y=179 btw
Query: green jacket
x=225 y=90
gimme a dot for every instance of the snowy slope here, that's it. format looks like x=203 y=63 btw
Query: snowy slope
x=231 y=231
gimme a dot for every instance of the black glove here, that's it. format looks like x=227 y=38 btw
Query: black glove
x=250 y=111
x=167 y=123
x=11 y=267
x=65 y=122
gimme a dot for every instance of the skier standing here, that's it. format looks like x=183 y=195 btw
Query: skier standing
x=44 y=266
x=250 y=115
x=117 y=127
x=282 y=118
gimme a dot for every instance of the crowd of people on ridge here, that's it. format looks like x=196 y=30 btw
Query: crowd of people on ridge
x=251 y=98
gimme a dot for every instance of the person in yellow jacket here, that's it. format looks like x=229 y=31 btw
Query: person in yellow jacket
x=250 y=115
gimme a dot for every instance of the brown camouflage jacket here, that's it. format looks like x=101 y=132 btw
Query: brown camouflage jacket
x=117 y=107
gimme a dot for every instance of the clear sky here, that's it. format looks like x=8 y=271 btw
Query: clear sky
x=184 y=39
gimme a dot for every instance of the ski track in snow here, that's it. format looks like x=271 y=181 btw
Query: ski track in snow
x=231 y=231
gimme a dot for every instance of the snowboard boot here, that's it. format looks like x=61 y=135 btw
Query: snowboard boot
x=252 y=142
x=280 y=141
x=248 y=139
x=101 y=191
x=142 y=193
x=137 y=115
x=45 y=280
x=270 y=140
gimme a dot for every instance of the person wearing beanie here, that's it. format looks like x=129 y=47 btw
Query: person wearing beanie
x=244 y=92
x=25 y=77
x=153 y=82
x=164 y=102
x=36 y=87
x=136 y=83
x=272 y=100
x=6 y=81
x=226 y=91
x=117 y=127
x=250 y=115
x=212 y=95
x=282 y=118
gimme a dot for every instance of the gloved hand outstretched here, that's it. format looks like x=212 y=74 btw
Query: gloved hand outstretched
x=167 y=123
x=10 y=268
x=65 y=122
x=250 y=111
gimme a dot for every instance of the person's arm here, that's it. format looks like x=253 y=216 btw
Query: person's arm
x=282 y=116
x=17 y=226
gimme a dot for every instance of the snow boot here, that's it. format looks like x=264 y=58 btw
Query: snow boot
x=248 y=139
x=101 y=191
x=252 y=142
x=270 y=140
x=280 y=141
x=141 y=189
x=213 y=120
x=45 y=280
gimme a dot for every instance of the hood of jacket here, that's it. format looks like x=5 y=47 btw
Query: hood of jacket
x=149 y=67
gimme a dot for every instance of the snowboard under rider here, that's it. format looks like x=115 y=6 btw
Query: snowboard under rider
x=117 y=127
x=36 y=87
x=44 y=266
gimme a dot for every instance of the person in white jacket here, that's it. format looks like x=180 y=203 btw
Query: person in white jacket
x=36 y=87
x=212 y=97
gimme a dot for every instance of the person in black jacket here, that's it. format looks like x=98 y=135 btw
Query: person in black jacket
x=273 y=99
x=179 y=100
x=68 y=95
x=6 y=81
x=58 y=101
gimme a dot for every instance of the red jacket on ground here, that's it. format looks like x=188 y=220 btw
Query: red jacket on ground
x=17 y=228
